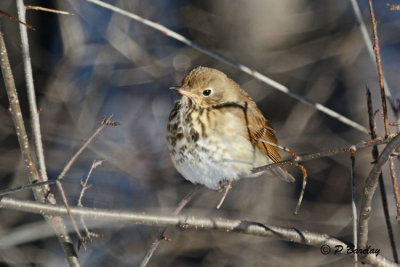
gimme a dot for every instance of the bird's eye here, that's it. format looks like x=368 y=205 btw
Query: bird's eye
x=207 y=92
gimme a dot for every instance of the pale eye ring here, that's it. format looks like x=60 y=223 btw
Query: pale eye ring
x=207 y=92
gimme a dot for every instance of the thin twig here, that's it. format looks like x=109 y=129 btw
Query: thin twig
x=24 y=187
x=16 y=115
x=85 y=186
x=17 y=20
x=367 y=41
x=34 y=113
x=104 y=123
x=48 y=10
x=35 y=123
x=353 y=200
x=395 y=187
x=387 y=131
x=328 y=153
x=33 y=175
x=369 y=190
x=196 y=223
x=377 y=51
x=162 y=230
x=67 y=206
x=375 y=155
x=243 y=68
x=378 y=111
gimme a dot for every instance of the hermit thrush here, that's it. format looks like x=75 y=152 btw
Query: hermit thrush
x=216 y=134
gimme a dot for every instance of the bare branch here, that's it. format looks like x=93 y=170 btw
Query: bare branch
x=353 y=151
x=17 y=20
x=369 y=190
x=48 y=10
x=85 y=186
x=367 y=41
x=377 y=51
x=33 y=175
x=65 y=201
x=395 y=187
x=24 y=187
x=104 y=123
x=385 y=116
x=375 y=155
x=35 y=123
x=18 y=120
x=195 y=223
x=161 y=233
x=328 y=153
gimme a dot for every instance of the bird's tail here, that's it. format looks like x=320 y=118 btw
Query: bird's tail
x=283 y=174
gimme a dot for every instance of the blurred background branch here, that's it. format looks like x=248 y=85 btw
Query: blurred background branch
x=98 y=62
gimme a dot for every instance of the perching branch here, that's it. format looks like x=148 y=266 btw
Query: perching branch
x=194 y=223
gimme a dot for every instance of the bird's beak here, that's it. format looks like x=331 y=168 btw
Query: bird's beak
x=183 y=91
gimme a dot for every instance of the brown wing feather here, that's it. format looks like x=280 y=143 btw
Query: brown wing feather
x=260 y=130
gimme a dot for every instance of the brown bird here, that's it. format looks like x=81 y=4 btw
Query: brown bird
x=216 y=134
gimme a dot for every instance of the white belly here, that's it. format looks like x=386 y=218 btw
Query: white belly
x=199 y=167
x=217 y=158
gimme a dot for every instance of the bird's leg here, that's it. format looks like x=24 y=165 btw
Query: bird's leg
x=227 y=187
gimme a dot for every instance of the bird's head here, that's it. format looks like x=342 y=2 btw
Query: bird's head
x=207 y=87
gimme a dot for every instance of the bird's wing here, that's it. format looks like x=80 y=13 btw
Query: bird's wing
x=257 y=127
x=260 y=132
